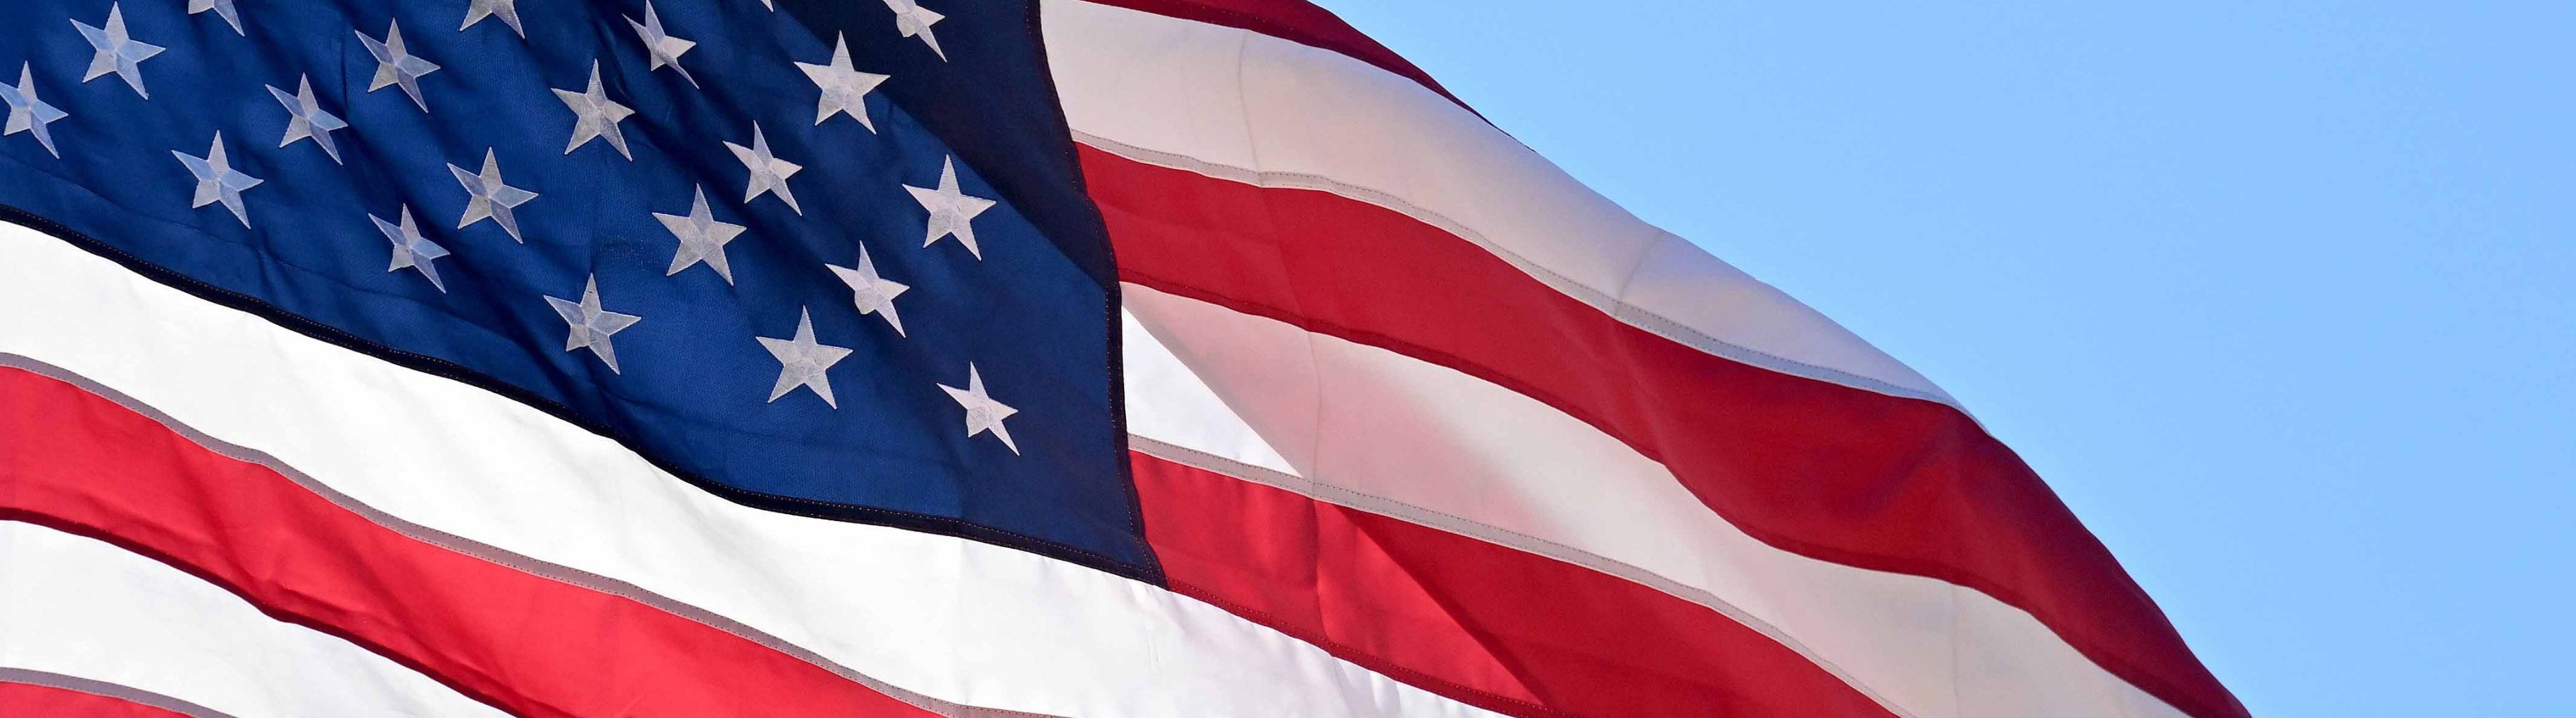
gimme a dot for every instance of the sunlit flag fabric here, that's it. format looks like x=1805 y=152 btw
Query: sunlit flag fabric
x=1123 y=359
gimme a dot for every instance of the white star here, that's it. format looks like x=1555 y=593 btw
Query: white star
x=873 y=294
x=803 y=362
x=768 y=172
x=594 y=116
x=982 y=412
x=661 y=46
x=590 y=325
x=702 y=238
x=28 y=114
x=952 y=213
x=913 y=20
x=488 y=198
x=845 y=90
x=411 y=249
x=224 y=8
x=217 y=181
x=115 y=51
x=508 y=10
x=306 y=120
x=397 y=66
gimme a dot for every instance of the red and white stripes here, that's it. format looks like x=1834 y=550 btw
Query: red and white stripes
x=1422 y=428
x=1427 y=334
x=113 y=617
x=532 y=566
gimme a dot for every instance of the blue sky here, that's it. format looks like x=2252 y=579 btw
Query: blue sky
x=2281 y=296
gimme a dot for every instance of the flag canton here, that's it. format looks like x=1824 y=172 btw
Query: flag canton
x=700 y=227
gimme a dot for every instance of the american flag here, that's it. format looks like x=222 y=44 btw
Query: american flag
x=1078 y=358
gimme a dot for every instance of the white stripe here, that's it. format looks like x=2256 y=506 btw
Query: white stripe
x=955 y=620
x=1245 y=106
x=80 y=607
x=1383 y=432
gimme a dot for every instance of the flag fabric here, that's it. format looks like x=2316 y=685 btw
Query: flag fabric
x=1115 y=359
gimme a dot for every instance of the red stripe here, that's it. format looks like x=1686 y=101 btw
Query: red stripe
x=21 y=699
x=533 y=646
x=1296 y=21
x=1823 y=470
x=1499 y=628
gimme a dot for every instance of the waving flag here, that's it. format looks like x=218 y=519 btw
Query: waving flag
x=1122 y=359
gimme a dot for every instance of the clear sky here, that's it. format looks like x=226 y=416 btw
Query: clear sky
x=2280 y=296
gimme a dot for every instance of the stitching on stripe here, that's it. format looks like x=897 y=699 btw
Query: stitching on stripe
x=1314 y=361
x=1507 y=538
x=1628 y=281
x=1615 y=307
x=104 y=689
x=495 y=555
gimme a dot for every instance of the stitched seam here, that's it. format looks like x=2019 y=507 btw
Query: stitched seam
x=1114 y=353
x=1314 y=360
x=104 y=689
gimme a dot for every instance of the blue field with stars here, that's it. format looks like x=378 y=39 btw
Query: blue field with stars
x=718 y=232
